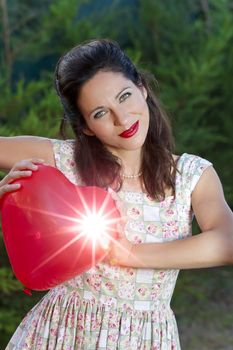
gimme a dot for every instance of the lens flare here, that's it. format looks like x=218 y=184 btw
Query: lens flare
x=93 y=225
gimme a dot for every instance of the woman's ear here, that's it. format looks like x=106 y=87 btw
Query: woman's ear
x=144 y=92
x=88 y=131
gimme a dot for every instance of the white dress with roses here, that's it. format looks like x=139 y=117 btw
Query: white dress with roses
x=111 y=307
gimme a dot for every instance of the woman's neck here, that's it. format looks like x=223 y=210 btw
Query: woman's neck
x=130 y=160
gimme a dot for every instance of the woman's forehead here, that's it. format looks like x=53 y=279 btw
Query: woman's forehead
x=106 y=78
x=101 y=87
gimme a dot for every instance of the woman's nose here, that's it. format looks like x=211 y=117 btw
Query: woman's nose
x=121 y=117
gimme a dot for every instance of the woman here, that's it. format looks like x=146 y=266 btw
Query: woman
x=123 y=142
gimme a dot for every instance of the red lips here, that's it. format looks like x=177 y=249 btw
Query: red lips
x=131 y=131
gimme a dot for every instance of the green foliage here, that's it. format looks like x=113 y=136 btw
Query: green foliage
x=59 y=29
x=7 y=281
x=8 y=321
x=32 y=108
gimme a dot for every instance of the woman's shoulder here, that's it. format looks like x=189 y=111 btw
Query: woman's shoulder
x=63 y=151
x=187 y=160
x=63 y=145
x=190 y=168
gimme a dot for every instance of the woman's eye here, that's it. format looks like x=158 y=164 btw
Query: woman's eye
x=125 y=96
x=99 y=114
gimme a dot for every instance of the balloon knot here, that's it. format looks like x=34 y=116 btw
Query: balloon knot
x=27 y=291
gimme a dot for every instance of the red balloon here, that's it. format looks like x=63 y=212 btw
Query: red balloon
x=43 y=230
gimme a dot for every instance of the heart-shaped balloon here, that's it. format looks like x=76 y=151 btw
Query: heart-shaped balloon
x=46 y=228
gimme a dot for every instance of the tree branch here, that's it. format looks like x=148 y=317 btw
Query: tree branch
x=6 y=41
x=206 y=11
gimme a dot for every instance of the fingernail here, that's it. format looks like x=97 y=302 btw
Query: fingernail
x=16 y=185
x=34 y=167
x=13 y=187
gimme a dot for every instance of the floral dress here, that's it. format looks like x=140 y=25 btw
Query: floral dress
x=112 y=307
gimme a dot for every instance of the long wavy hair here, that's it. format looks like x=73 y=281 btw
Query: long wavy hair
x=96 y=165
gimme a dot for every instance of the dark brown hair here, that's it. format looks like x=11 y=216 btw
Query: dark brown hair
x=96 y=165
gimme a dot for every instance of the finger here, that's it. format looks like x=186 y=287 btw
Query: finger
x=28 y=164
x=17 y=174
x=120 y=230
x=8 y=188
x=25 y=164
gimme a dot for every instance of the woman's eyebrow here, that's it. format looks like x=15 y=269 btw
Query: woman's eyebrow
x=121 y=91
x=95 y=109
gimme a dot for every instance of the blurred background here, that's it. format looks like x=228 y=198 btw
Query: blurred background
x=188 y=46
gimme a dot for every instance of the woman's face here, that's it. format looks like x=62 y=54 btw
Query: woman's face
x=115 y=111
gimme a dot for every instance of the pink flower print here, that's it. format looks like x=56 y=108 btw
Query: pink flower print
x=142 y=291
x=80 y=316
x=79 y=340
x=170 y=212
x=162 y=274
x=111 y=302
x=62 y=289
x=94 y=282
x=155 y=347
x=80 y=327
x=112 y=338
x=136 y=226
x=152 y=228
x=155 y=291
x=127 y=307
x=170 y=229
x=109 y=286
x=126 y=290
x=129 y=272
x=53 y=331
x=173 y=346
x=70 y=162
x=112 y=320
x=170 y=223
x=39 y=343
x=137 y=240
x=168 y=234
x=95 y=323
x=164 y=203
x=111 y=272
x=113 y=324
x=149 y=198
x=133 y=212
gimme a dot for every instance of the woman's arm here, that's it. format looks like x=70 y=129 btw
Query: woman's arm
x=213 y=247
x=13 y=149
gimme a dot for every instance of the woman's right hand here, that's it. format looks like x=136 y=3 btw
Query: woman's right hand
x=21 y=169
